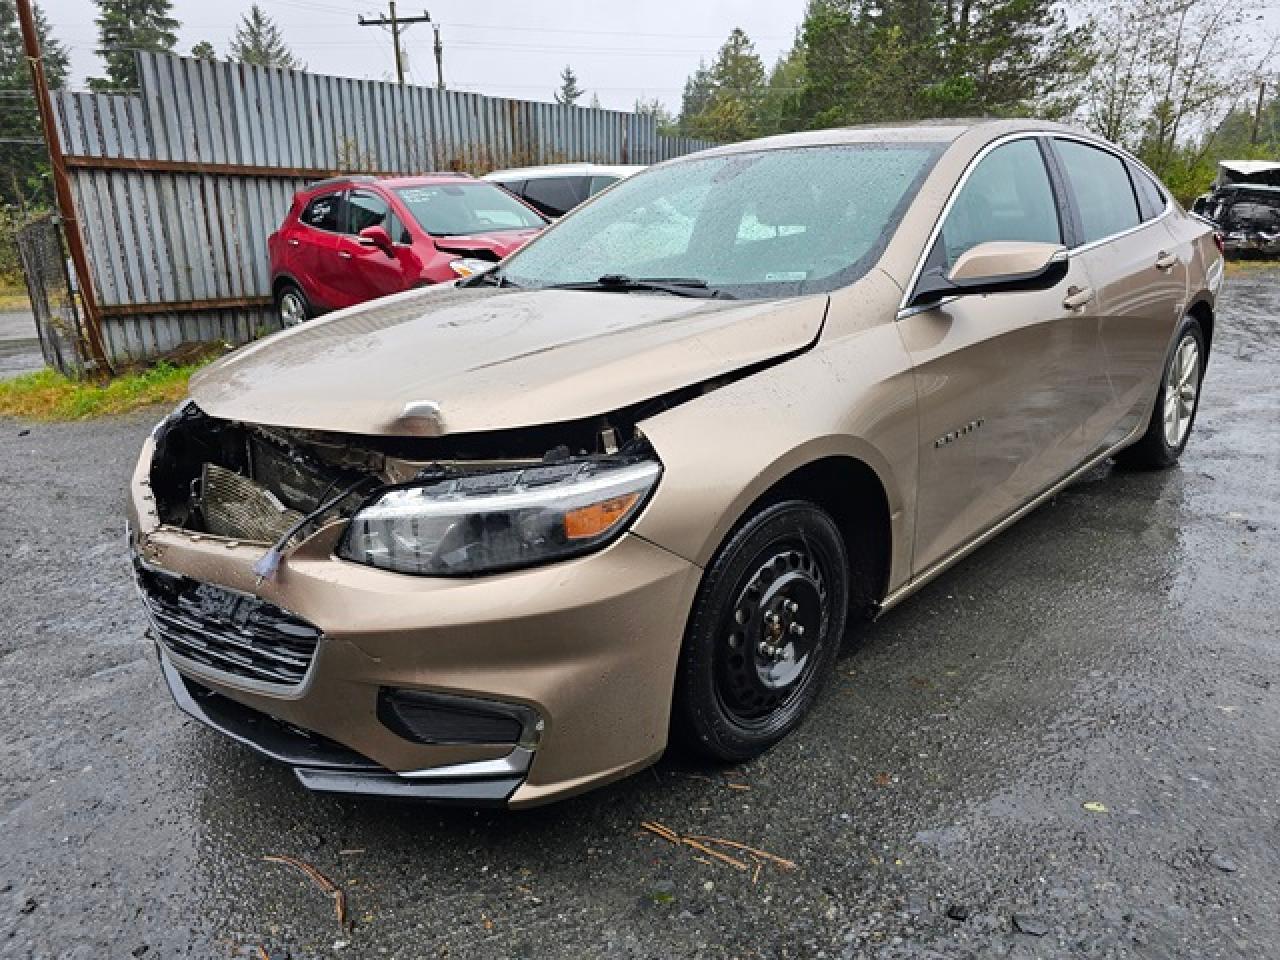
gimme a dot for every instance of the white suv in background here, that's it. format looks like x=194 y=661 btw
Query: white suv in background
x=557 y=188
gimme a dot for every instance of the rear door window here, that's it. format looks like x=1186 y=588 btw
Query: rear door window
x=1100 y=184
x=1008 y=196
x=326 y=212
x=556 y=196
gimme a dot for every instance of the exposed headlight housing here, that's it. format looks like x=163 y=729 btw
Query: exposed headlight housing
x=470 y=266
x=481 y=523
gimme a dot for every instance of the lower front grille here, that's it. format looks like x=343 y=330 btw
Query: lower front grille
x=232 y=632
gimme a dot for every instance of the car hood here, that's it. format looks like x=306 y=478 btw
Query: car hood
x=503 y=243
x=454 y=360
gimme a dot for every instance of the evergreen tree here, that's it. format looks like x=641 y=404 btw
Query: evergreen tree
x=204 y=51
x=125 y=26
x=258 y=41
x=698 y=91
x=722 y=102
x=22 y=165
x=569 y=92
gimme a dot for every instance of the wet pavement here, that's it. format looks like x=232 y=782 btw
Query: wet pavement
x=1065 y=747
x=19 y=343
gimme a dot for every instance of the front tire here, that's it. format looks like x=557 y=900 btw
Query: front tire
x=1176 y=404
x=764 y=633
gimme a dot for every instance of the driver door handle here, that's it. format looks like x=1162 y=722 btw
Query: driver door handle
x=1077 y=297
x=345 y=254
x=1165 y=260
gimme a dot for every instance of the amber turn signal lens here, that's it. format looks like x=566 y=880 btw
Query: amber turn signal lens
x=595 y=518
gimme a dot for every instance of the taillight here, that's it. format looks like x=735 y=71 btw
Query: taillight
x=1220 y=242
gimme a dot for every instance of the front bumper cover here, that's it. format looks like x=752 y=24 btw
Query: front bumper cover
x=325 y=766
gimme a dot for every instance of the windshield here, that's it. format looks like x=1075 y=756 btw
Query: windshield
x=768 y=223
x=459 y=209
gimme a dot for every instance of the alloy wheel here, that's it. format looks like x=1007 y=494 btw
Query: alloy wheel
x=293 y=310
x=1181 y=386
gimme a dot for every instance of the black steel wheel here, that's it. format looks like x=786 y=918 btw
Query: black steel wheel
x=765 y=630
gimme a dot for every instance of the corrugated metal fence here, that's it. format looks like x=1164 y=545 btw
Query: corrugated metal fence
x=178 y=187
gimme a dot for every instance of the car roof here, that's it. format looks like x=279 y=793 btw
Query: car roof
x=921 y=131
x=566 y=170
x=407 y=180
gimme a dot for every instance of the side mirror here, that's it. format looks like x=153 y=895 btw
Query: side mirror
x=995 y=267
x=376 y=237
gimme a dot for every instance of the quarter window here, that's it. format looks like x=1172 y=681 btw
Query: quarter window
x=1100 y=185
x=1007 y=197
x=599 y=183
x=1151 y=199
x=326 y=212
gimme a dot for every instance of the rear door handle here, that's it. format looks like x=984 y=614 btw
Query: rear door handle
x=294 y=241
x=345 y=254
x=1077 y=297
x=1165 y=260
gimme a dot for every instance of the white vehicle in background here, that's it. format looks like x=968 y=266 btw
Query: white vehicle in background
x=557 y=188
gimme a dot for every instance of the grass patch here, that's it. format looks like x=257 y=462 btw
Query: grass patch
x=13 y=298
x=1252 y=265
x=48 y=395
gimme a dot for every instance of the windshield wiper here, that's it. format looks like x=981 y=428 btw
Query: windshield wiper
x=621 y=283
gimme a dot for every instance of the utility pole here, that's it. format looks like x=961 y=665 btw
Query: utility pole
x=439 y=58
x=397 y=24
x=62 y=186
x=1257 y=114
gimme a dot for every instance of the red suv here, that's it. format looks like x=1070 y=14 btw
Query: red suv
x=351 y=239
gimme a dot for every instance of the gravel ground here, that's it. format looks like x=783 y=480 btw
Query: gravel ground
x=1120 y=647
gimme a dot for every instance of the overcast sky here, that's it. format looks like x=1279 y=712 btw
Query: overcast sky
x=620 y=51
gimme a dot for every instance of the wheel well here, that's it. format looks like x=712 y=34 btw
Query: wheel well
x=1203 y=313
x=280 y=282
x=852 y=493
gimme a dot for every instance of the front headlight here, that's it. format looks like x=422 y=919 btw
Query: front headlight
x=480 y=523
x=470 y=266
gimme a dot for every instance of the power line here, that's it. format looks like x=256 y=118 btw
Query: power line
x=396 y=23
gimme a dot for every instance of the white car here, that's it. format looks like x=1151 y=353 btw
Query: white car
x=557 y=188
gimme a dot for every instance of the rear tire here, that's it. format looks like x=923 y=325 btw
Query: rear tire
x=291 y=306
x=764 y=633
x=1176 y=404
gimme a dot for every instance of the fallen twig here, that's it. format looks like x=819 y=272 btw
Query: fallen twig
x=320 y=880
x=704 y=844
x=784 y=863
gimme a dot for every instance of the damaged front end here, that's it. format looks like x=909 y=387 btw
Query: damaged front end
x=316 y=664
x=437 y=507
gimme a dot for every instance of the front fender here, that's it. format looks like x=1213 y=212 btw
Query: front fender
x=851 y=397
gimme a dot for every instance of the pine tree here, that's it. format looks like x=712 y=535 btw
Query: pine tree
x=569 y=91
x=204 y=51
x=22 y=164
x=698 y=91
x=258 y=41
x=125 y=26
x=722 y=102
